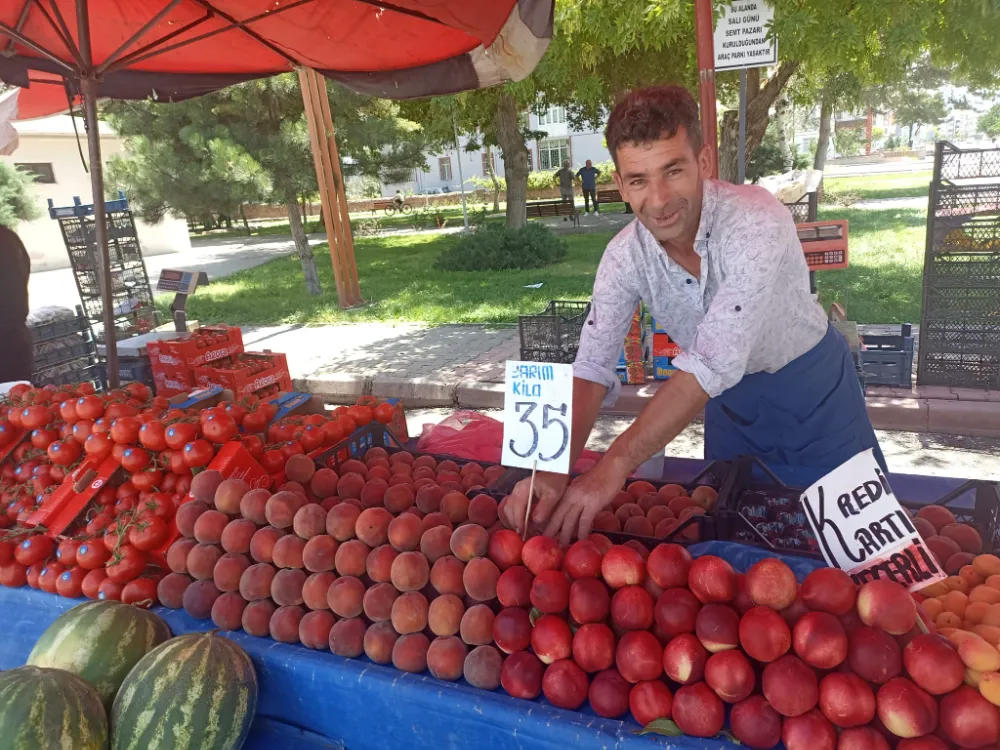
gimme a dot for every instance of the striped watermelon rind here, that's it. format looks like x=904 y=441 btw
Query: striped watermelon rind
x=100 y=641
x=196 y=691
x=50 y=708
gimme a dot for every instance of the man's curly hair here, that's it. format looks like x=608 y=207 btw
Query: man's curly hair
x=646 y=115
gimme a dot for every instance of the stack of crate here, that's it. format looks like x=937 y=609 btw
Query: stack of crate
x=173 y=361
x=631 y=367
x=260 y=375
x=664 y=351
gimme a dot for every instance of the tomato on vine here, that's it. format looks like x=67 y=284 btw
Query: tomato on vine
x=126 y=565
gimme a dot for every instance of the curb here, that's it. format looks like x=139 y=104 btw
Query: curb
x=947 y=415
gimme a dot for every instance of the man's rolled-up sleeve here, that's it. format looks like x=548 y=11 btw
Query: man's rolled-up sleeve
x=722 y=344
x=612 y=306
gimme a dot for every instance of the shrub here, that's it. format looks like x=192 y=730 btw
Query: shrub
x=497 y=248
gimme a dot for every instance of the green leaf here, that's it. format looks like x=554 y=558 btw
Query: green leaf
x=664 y=727
x=534 y=615
x=729 y=736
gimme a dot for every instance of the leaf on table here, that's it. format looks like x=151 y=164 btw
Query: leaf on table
x=664 y=727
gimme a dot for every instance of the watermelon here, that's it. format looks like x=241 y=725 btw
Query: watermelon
x=50 y=708
x=100 y=641
x=196 y=691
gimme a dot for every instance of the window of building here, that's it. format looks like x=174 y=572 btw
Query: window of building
x=552 y=152
x=444 y=167
x=42 y=172
x=553 y=116
x=489 y=160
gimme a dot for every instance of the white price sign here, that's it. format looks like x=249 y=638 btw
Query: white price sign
x=537 y=416
x=863 y=530
x=741 y=36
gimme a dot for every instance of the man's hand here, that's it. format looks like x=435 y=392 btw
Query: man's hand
x=587 y=496
x=549 y=489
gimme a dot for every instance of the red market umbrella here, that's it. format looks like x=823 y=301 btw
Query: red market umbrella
x=64 y=51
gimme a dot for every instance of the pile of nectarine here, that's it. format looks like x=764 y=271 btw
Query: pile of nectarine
x=644 y=510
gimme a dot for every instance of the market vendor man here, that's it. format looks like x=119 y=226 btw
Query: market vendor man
x=720 y=267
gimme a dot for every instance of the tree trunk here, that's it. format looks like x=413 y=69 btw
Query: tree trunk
x=515 y=158
x=493 y=176
x=302 y=248
x=823 y=144
x=869 y=121
x=910 y=139
x=781 y=121
x=759 y=102
x=246 y=224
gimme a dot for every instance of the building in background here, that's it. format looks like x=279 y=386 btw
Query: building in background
x=51 y=150
x=546 y=154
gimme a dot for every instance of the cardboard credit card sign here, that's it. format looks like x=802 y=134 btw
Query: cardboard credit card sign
x=537 y=416
x=863 y=530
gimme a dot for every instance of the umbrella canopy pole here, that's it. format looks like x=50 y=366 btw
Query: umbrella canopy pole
x=88 y=88
x=331 y=186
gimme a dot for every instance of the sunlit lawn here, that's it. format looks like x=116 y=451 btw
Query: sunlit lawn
x=398 y=277
x=876 y=186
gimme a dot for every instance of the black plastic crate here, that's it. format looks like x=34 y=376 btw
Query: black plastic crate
x=888 y=360
x=131 y=369
x=91 y=373
x=554 y=335
x=805 y=209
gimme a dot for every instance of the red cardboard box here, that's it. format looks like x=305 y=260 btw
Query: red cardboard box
x=171 y=381
x=664 y=347
x=252 y=373
x=207 y=345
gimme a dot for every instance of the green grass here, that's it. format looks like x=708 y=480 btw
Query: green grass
x=397 y=275
x=846 y=190
x=886 y=252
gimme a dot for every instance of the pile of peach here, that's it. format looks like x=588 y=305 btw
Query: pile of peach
x=954 y=544
x=643 y=510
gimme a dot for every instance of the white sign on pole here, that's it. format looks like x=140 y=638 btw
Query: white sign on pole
x=537 y=416
x=741 y=39
x=863 y=530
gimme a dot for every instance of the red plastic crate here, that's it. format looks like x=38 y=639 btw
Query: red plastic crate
x=206 y=345
x=267 y=376
x=8 y=450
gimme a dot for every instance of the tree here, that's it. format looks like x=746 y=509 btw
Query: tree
x=989 y=123
x=16 y=201
x=250 y=142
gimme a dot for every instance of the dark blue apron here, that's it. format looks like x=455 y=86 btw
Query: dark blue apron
x=811 y=412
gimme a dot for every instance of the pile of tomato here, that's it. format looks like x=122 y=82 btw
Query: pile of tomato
x=106 y=552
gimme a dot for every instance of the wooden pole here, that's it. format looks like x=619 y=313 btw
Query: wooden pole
x=704 y=31
x=350 y=268
x=327 y=166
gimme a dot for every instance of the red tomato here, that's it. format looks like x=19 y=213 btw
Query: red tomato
x=125 y=504
x=150 y=534
x=180 y=434
x=117 y=410
x=159 y=505
x=109 y=590
x=177 y=465
x=118 y=451
x=134 y=460
x=312 y=438
x=184 y=484
x=49 y=576
x=34 y=417
x=98 y=446
x=105 y=496
x=92 y=554
x=147 y=480
x=291 y=448
x=253 y=444
x=333 y=432
x=138 y=391
x=34 y=549
x=237 y=412
x=67 y=412
x=152 y=436
x=6 y=551
x=126 y=489
x=384 y=413
x=198 y=453
x=8 y=433
x=220 y=428
x=348 y=423
x=341 y=411
x=90 y=407
x=66 y=431
x=92 y=582
x=42 y=438
x=66 y=551
x=255 y=421
x=97 y=525
x=169 y=482
x=70 y=582
x=33 y=573
x=272 y=461
x=140 y=593
x=314 y=419
x=126 y=565
x=125 y=430
x=81 y=430
x=102 y=425
x=85 y=389
x=361 y=414
x=64 y=453
x=159 y=403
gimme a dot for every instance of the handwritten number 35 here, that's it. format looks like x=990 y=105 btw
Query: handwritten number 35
x=526 y=409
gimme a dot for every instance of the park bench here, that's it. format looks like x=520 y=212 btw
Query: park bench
x=389 y=206
x=609 y=195
x=545 y=209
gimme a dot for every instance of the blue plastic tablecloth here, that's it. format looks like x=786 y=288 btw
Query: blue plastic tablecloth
x=313 y=699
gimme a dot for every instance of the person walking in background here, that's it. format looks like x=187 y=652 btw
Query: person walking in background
x=588 y=176
x=17 y=360
x=565 y=177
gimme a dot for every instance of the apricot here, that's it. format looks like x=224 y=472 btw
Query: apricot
x=987 y=565
x=983 y=594
x=979 y=655
x=948 y=620
x=934 y=607
x=989 y=687
x=969 y=574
